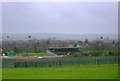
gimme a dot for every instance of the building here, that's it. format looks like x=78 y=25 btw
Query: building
x=63 y=50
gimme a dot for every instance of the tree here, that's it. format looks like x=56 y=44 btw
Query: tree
x=86 y=41
x=8 y=42
x=8 y=37
x=101 y=38
x=15 y=49
x=113 y=42
x=79 y=42
x=54 y=38
x=29 y=37
x=48 y=43
x=75 y=45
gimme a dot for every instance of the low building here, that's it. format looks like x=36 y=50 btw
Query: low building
x=63 y=50
x=10 y=53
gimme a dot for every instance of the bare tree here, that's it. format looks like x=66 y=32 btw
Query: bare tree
x=8 y=37
x=86 y=41
x=29 y=37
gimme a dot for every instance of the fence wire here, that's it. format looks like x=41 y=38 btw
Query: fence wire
x=49 y=62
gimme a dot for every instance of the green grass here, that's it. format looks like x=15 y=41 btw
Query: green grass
x=0 y=74
x=104 y=71
x=33 y=54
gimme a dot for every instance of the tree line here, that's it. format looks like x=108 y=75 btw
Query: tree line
x=97 y=47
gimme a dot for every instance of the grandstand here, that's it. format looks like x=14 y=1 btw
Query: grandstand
x=63 y=50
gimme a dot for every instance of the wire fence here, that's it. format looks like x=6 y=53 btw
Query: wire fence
x=49 y=62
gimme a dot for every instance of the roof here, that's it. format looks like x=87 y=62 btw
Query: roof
x=64 y=47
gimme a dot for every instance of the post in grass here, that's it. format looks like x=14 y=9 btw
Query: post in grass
x=98 y=62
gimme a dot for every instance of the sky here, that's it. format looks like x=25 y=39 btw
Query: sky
x=60 y=17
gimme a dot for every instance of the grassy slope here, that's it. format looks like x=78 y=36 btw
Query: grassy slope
x=105 y=71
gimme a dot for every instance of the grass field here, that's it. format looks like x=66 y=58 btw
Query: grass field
x=33 y=54
x=104 y=71
x=0 y=74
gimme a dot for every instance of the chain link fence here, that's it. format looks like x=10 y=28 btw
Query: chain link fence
x=49 y=62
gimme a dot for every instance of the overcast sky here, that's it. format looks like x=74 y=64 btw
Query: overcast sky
x=67 y=18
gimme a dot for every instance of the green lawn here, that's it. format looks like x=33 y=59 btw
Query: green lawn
x=104 y=71
x=33 y=54
x=0 y=74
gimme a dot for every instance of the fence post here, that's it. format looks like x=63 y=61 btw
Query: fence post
x=98 y=62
